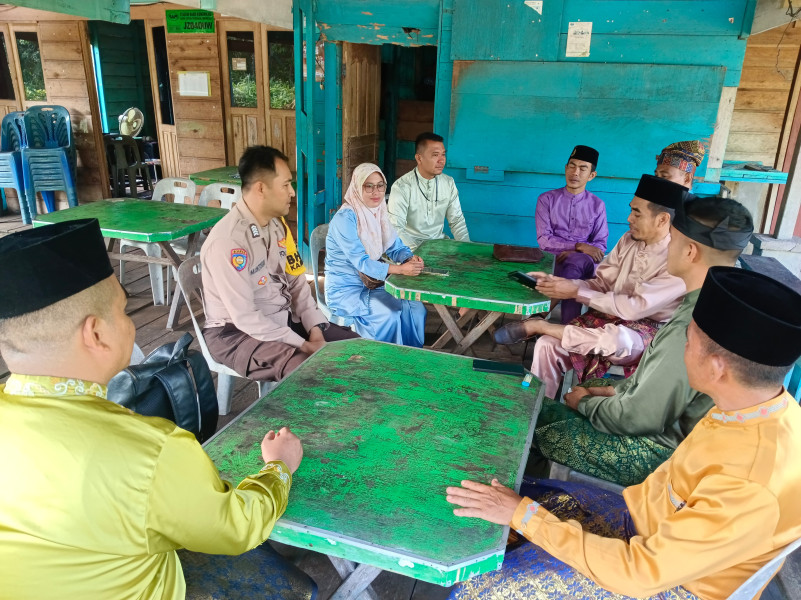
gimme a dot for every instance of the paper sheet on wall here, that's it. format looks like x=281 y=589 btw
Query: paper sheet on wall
x=535 y=5
x=579 y=36
x=194 y=83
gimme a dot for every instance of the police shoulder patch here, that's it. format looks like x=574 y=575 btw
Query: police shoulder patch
x=239 y=258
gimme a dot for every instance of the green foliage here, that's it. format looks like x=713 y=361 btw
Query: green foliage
x=30 y=62
x=282 y=93
x=243 y=90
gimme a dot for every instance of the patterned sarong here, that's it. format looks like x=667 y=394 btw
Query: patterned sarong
x=596 y=365
x=530 y=573
x=567 y=437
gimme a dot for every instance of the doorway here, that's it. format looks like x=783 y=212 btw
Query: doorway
x=387 y=101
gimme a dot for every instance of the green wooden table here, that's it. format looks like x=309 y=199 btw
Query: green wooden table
x=385 y=430
x=219 y=175
x=145 y=221
x=476 y=281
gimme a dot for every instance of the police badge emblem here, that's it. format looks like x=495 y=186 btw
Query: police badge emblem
x=239 y=258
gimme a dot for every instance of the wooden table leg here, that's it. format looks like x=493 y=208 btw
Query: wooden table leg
x=178 y=297
x=476 y=332
x=453 y=327
x=356 y=580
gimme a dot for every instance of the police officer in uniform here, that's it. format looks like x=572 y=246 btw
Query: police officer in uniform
x=261 y=318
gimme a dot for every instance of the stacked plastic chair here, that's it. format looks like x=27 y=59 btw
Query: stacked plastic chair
x=12 y=141
x=48 y=163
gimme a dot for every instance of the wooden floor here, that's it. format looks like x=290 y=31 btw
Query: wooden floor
x=151 y=333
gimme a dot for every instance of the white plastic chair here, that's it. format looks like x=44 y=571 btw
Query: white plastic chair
x=316 y=245
x=182 y=192
x=191 y=282
x=760 y=579
x=227 y=194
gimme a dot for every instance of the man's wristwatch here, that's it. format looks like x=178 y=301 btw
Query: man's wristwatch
x=323 y=326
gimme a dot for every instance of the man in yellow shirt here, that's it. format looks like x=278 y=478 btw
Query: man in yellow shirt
x=95 y=500
x=720 y=508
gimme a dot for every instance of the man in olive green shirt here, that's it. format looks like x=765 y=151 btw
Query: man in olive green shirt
x=623 y=431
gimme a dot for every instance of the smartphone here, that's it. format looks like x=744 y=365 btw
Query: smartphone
x=491 y=366
x=523 y=278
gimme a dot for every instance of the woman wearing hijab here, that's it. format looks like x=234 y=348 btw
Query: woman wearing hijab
x=358 y=235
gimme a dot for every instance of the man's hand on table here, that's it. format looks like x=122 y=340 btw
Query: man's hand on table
x=495 y=503
x=596 y=254
x=284 y=446
x=316 y=341
x=555 y=287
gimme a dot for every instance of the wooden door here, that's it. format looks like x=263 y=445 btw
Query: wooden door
x=241 y=58
x=279 y=91
x=361 y=98
x=10 y=99
x=155 y=33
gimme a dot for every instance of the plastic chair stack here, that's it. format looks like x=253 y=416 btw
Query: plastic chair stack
x=48 y=162
x=12 y=141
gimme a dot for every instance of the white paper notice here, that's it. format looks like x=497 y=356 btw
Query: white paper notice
x=194 y=83
x=579 y=36
x=537 y=6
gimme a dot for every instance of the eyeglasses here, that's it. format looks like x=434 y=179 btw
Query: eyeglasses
x=378 y=187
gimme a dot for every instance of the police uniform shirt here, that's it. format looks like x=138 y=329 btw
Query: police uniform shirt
x=247 y=279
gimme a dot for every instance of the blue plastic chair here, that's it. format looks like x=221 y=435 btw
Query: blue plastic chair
x=12 y=141
x=48 y=163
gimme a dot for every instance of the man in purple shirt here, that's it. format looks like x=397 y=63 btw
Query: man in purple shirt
x=571 y=223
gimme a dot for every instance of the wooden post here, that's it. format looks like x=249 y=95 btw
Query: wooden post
x=788 y=214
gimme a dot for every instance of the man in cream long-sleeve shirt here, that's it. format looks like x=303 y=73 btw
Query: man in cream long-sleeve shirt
x=421 y=200
x=630 y=295
x=713 y=514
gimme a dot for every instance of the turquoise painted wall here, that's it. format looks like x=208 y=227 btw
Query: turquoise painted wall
x=511 y=102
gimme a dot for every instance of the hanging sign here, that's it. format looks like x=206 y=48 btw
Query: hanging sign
x=190 y=21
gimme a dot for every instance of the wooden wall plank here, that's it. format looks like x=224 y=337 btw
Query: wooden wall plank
x=69 y=82
x=196 y=117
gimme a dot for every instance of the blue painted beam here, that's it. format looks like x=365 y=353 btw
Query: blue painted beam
x=726 y=51
x=658 y=17
x=407 y=22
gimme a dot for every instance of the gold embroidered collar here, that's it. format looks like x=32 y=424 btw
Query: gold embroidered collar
x=42 y=385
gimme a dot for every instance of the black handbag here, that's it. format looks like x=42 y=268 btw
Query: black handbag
x=172 y=382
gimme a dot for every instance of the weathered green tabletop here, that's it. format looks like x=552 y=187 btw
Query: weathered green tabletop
x=144 y=221
x=475 y=280
x=218 y=175
x=385 y=429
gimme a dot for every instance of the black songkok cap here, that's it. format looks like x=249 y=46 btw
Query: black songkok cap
x=585 y=153
x=41 y=266
x=750 y=315
x=718 y=236
x=661 y=191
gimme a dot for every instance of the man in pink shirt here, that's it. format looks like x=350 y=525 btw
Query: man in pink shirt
x=571 y=224
x=631 y=295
